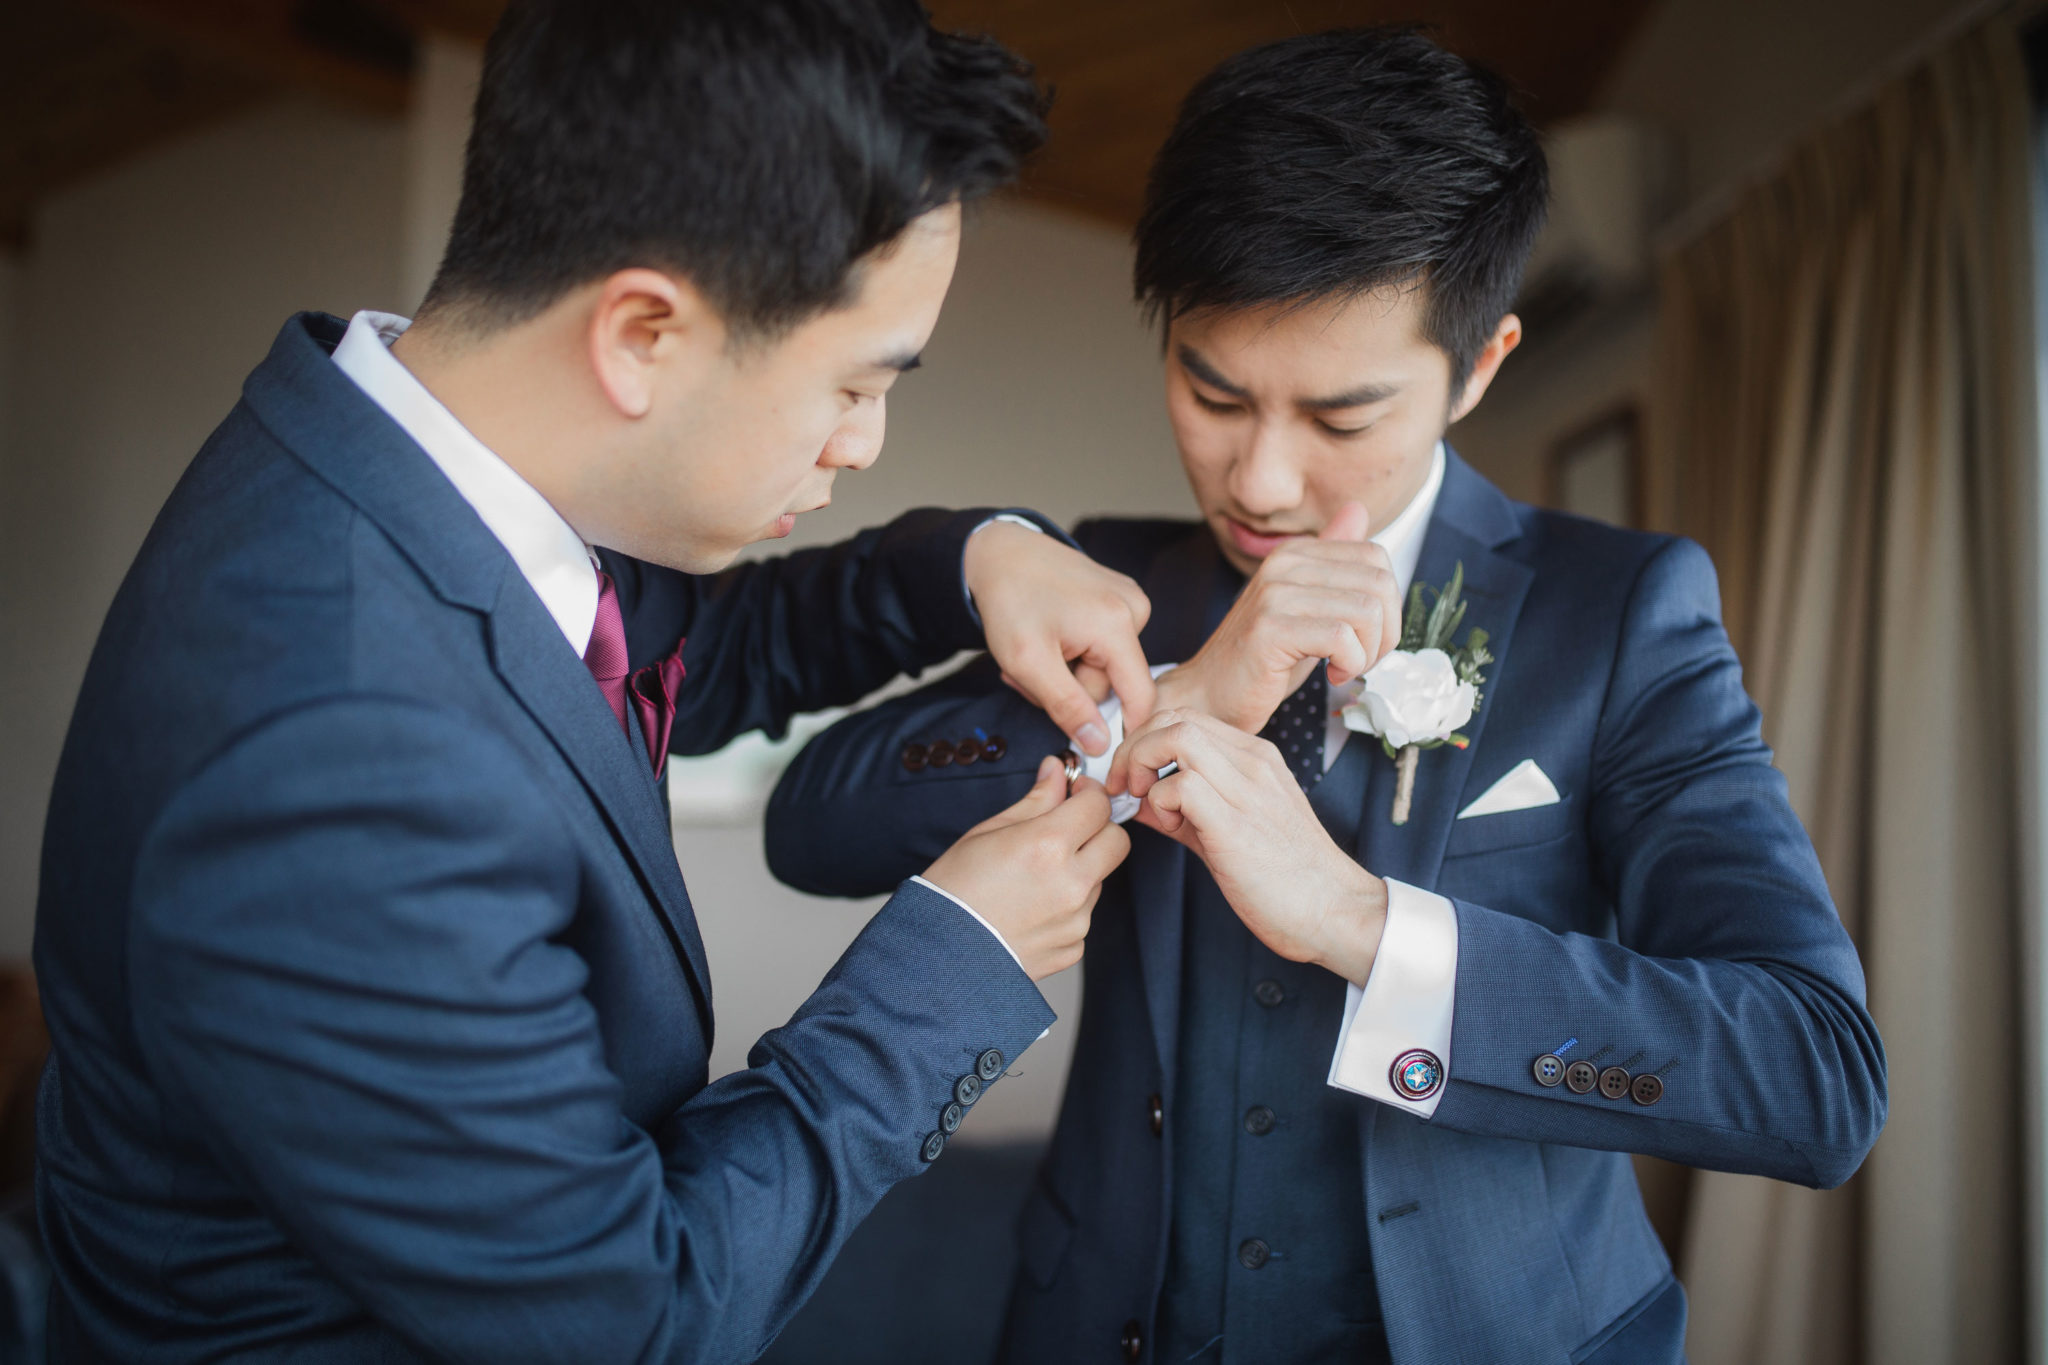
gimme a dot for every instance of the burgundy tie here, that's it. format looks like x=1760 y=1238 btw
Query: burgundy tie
x=652 y=688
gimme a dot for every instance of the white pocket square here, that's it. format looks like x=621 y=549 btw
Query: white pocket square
x=1524 y=788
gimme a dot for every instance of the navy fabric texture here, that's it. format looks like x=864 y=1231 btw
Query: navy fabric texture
x=1668 y=914
x=380 y=1017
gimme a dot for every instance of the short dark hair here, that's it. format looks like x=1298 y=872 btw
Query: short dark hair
x=1334 y=164
x=762 y=148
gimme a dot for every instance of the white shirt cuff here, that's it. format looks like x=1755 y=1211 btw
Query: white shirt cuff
x=1406 y=1004
x=984 y=924
x=1121 y=808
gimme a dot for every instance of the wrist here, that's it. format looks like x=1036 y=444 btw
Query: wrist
x=1353 y=924
x=989 y=545
x=1181 y=690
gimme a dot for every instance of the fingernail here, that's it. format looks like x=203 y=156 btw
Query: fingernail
x=1093 y=738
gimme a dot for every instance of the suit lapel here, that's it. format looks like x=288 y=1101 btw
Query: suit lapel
x=535 y=662
x=1472 y=520
x=336 y=431
x=1182 y=583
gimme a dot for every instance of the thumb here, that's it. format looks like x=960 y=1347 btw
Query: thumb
x=1045 y=795
x=1352 y=523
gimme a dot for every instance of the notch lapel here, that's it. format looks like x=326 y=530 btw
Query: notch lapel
x=333 y=428
x=1472 y=520
x=1182 y=583
x=553 y=685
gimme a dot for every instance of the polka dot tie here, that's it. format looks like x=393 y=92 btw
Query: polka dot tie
x=1298 y=728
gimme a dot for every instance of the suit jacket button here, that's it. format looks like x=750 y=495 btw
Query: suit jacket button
x=1646 y=1089
x=994 y=747
x=967 y=751
x=967 y=1090
x=989 y=1065
x=1614 y=1083
x=1549 y=1069
x=1269 y=993
x=1253 y=1253
x=1581 y=1077
x=940 y=755
x=934 y=1143
x=949 y=1118
x=1133 y=1342
x=1155 y=1110
x=914 y=756
x=1258 y=1120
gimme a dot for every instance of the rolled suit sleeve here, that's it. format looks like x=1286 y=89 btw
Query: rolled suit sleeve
x=349 y=977
x=1729 y=976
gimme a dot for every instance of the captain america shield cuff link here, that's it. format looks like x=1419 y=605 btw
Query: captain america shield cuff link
x=1416 y=1074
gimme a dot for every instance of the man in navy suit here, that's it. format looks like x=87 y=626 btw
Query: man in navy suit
x=380 y=1014
x=1347 y=1089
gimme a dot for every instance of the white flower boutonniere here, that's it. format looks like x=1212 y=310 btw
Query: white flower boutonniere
x=1416 y=697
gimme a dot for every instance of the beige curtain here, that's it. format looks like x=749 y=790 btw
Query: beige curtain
x=1843 y=414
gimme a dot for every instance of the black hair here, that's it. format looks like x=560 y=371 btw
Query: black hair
x=761 y=148
x=1336 y=164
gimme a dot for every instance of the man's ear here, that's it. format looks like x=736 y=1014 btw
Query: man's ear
x=645 y=326
x=1506 y=337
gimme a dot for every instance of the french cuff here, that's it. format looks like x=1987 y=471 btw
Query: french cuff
x=984 y=924
x=1121 y=808
x=1014 y=519
x=1395 y=1042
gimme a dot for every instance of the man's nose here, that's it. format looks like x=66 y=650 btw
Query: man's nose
x=1267 y=477
x=857 y=442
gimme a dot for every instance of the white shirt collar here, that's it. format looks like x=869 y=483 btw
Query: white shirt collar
x=1402 y=537
x=549 y=553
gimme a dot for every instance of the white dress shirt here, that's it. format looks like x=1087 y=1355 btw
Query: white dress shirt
x=551 y=556
x=1408 y=1000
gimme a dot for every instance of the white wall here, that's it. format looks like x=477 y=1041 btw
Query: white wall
x=147 y=295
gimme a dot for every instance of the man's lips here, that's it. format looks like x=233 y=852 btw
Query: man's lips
x=1258 y=544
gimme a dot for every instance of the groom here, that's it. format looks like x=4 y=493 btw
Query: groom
x=1347 y=1089
x=379 y=1010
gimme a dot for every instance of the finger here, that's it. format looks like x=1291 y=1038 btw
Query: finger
x=1081 y=815
x=1195 y=742
x=1093 y=680
x=1048 y=790
x=1043 y=676
x=1185 y=802
x=1104 y=852
x=1135 y=600
x=1123 y=659
x=1352 y=523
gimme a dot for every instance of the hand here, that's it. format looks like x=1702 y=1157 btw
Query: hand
x=1063 y=629
x=1236 y=806
x=1333 y=597
x=1035 y=870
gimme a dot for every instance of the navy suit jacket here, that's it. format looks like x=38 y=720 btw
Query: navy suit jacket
x=1669 y=913
x=379 y=1011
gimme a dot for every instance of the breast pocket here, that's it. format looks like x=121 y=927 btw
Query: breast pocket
x=1514 y=829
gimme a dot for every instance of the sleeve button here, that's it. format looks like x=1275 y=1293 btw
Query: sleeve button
x=994 y=748
x=934 y=1143
x=1613 y=1083
x=967 y=751
x=914 y=756
x=1549 y=1069
x=989 y=1065
x=1646 y=1089
x=967 y=1090
x=949 y=1118
x=940 y=755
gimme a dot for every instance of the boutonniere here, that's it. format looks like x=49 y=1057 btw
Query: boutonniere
x=1416 y=697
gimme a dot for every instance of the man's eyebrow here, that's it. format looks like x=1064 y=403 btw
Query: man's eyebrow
x=1191 y=361
x=1362 y=396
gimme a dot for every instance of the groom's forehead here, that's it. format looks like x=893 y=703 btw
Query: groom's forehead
x=1336 y=347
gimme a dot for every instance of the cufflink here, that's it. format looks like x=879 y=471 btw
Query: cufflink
x=1416 y=1074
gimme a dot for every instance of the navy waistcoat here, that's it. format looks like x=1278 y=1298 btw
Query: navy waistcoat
x=1268 y=1258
